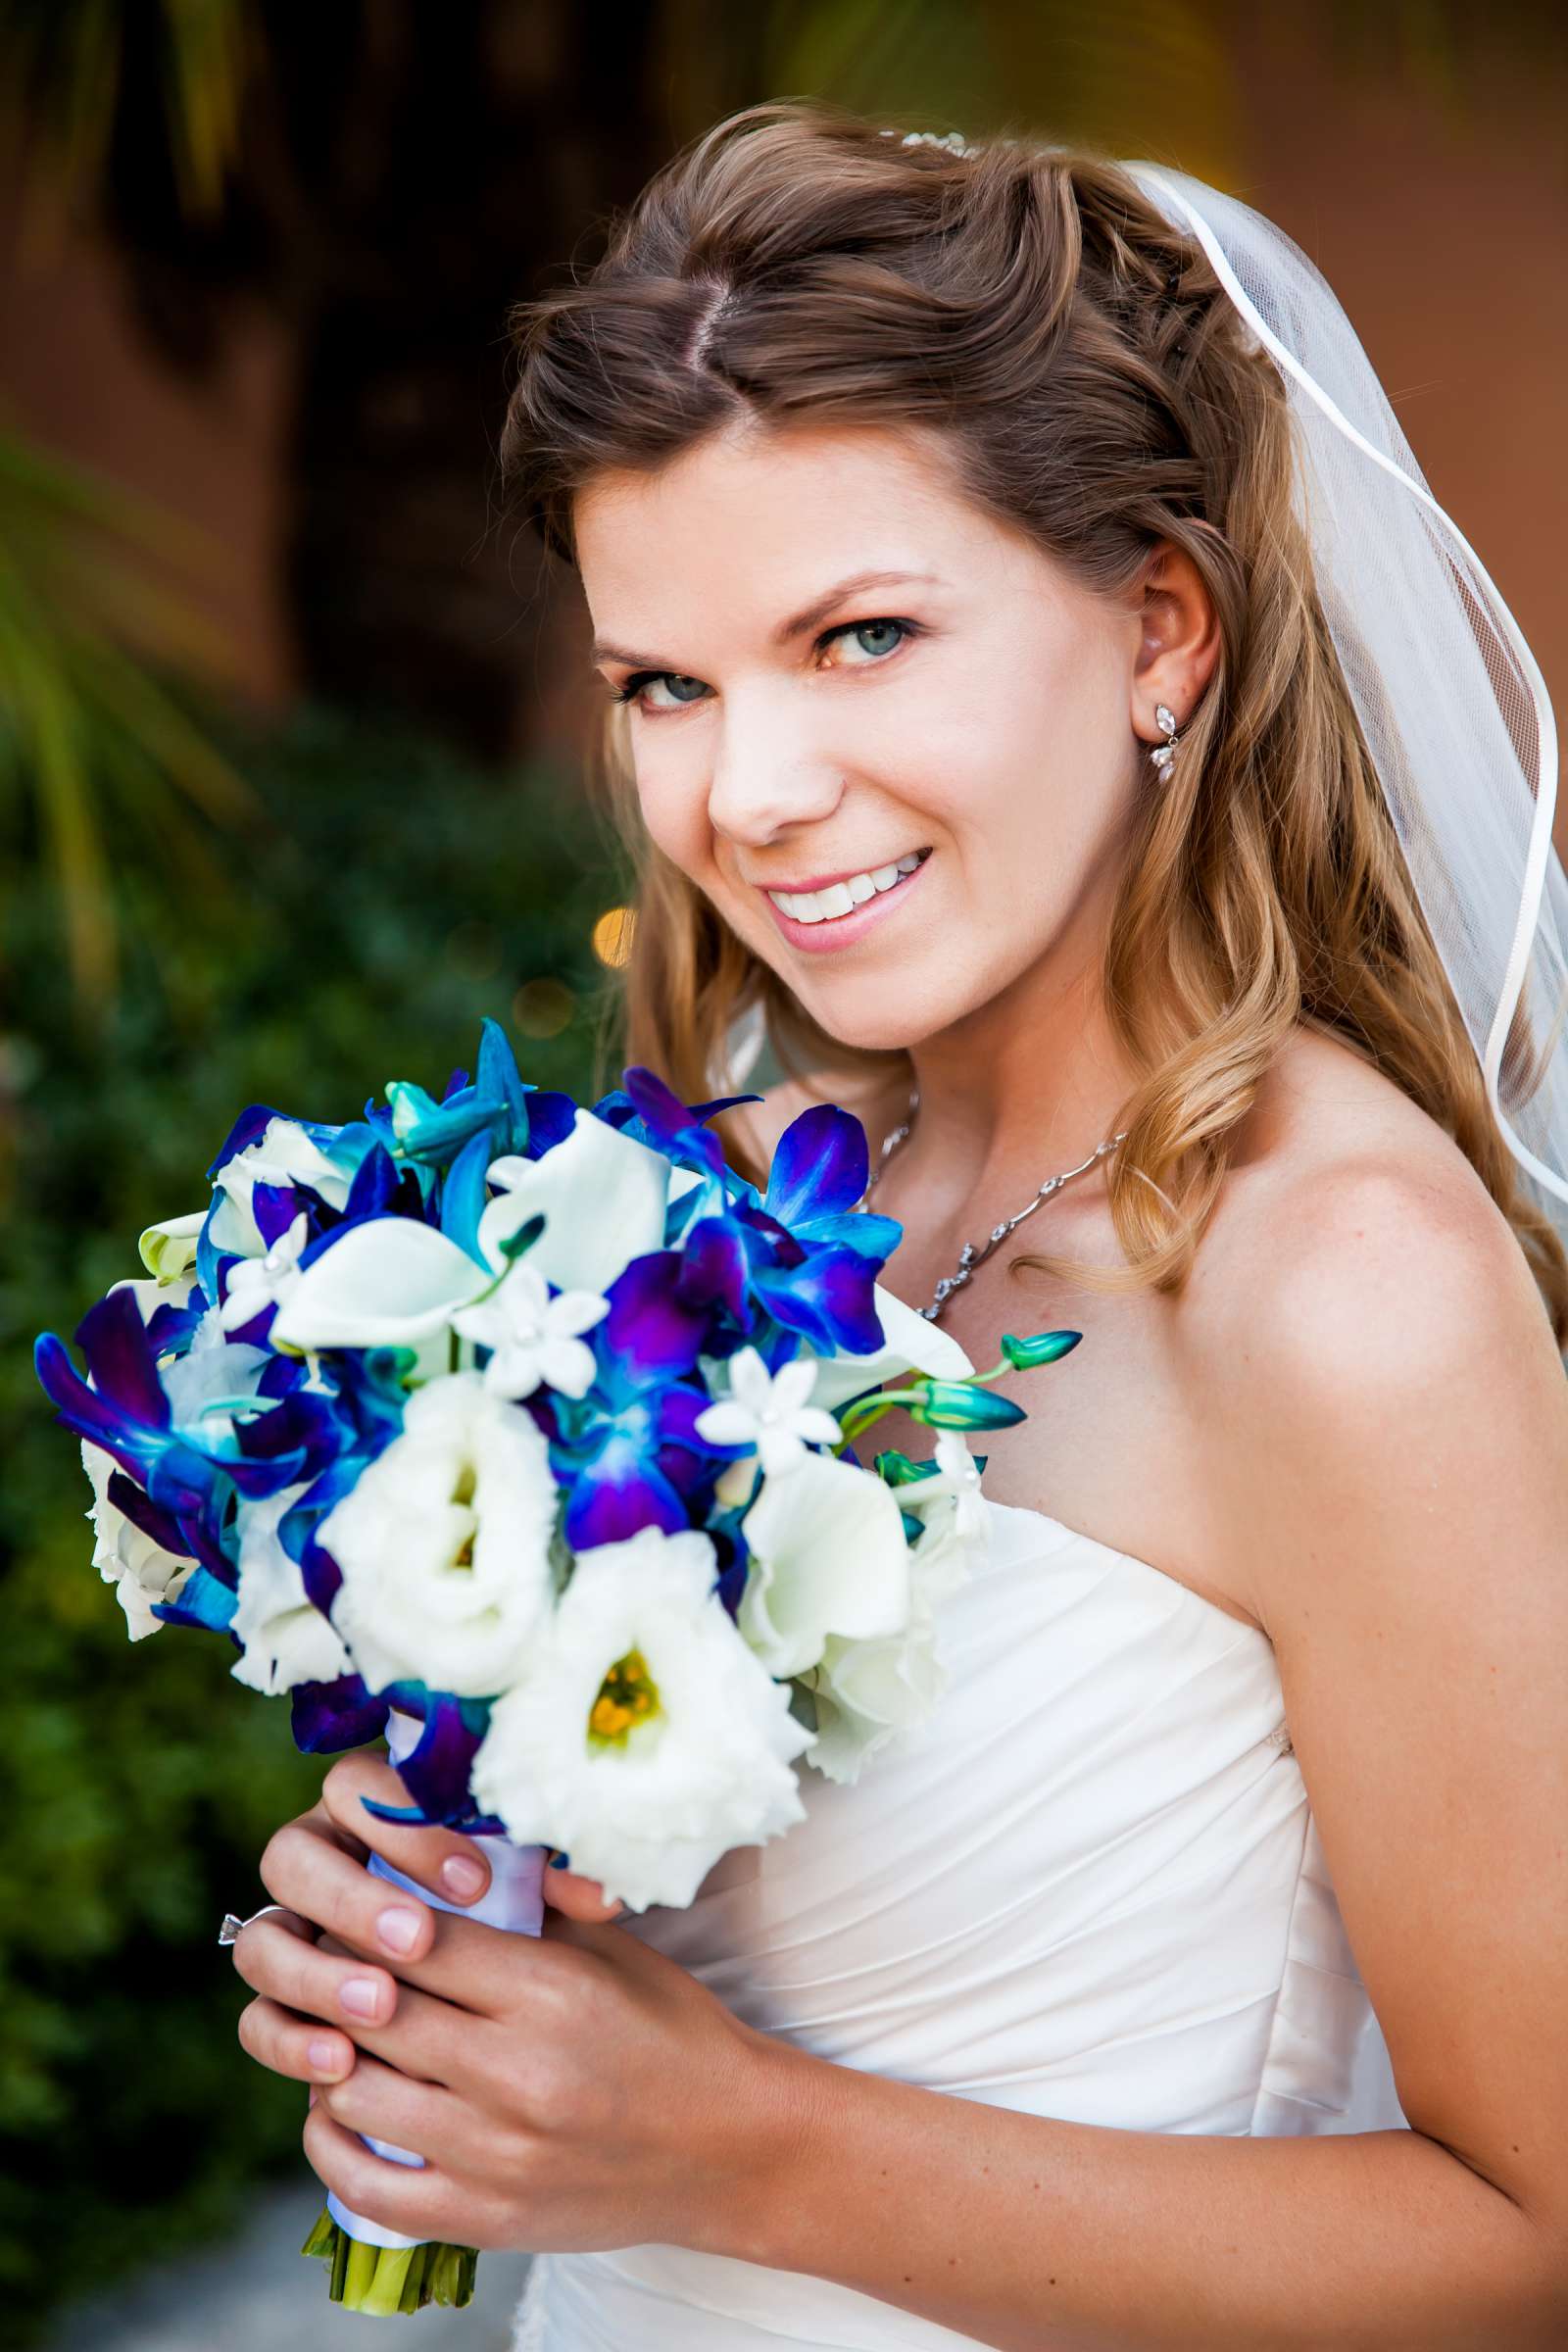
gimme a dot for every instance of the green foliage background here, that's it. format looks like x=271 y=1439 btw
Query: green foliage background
x=393 y=898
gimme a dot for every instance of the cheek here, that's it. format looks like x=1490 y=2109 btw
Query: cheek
x=673 y=798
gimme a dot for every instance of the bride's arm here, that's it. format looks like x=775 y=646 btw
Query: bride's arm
x=1392 y=1445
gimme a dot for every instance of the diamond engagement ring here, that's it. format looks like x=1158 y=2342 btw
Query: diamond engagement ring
x=232 y=1925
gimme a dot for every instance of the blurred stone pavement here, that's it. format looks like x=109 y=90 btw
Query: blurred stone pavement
x=257 y=2293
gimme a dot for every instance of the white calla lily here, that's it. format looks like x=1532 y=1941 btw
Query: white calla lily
x=383 y=1282
x=168 y=1250
x=601 y=1195
x=645 y=1739
x=913 y=1344
x=868 y=1691
x=286 y=1639
x=828 y=1556
x=444 y=1542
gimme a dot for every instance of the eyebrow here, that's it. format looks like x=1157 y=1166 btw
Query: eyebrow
x=798 y=622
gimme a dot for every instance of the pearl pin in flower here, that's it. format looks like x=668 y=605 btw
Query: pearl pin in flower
x=768 y=1411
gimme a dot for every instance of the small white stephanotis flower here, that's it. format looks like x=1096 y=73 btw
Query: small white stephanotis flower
x=444 y=1544
x=140 y=1570
x=533 y=1337
x=286 y=1639
x=769 y=1410
x=645 y=1739
x=257 y=1283
x=828 y=1556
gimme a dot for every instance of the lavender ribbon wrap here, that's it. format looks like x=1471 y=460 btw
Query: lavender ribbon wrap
x=514 y=1900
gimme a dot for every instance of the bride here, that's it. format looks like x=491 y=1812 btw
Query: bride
x=1059 y=725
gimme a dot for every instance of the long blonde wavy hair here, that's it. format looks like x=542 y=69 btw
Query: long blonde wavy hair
x=1090 y=377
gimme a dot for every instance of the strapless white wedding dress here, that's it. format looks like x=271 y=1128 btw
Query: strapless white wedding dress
x=1089 y=1887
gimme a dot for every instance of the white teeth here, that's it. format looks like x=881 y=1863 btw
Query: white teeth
x=841 y=898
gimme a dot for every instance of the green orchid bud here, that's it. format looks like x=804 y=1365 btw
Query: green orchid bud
x=897 y=1469
x=959 y=1404
x=1041 y=1347
x=513 y=1244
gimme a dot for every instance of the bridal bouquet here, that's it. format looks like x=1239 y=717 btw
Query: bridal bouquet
x=527 y=1434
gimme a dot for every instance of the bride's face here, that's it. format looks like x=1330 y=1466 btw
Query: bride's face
x=801 y=727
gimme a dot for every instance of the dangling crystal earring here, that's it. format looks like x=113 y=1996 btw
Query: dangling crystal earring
x=1162 y=754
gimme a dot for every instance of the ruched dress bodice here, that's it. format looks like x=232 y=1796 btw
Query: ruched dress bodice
x=1088 y=1886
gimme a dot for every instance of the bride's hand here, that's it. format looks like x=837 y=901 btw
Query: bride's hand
x=570 y=2091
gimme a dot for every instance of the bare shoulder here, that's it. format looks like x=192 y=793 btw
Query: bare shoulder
x=1362 y=1313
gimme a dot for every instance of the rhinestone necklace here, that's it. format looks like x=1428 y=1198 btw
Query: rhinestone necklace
x=971 y=1259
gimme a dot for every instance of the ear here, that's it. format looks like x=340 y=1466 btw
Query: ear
x=1178 y=643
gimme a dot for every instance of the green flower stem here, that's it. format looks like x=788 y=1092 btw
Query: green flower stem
x=385 y=2281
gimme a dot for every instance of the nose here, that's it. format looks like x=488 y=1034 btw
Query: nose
x=766 y=779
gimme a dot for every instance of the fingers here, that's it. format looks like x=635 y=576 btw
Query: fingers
x=308 y=1990
x=443 y=1860
x=577 y=1897
x=300 y=2047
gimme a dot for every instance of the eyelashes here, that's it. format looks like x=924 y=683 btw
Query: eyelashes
x=636 y=685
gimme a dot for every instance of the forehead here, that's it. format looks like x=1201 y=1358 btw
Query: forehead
x=763 y=516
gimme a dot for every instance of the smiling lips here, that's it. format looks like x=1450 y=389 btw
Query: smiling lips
x=839 y=913
x=839 y=898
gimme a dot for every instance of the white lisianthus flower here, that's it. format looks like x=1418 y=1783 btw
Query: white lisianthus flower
x=286 y=1639
x=140 y=1570
x=444 y=1544
x=533 y=1337
x=256 y=1283
x=645 y=1739
x=866 y=1690
x=769 y=1410
x=284 y=1153
x=828 y=1556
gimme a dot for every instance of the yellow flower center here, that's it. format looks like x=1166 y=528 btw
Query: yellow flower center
x=627 y=1696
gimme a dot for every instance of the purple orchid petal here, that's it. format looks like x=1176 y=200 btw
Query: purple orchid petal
x=829 y=1300
x=141 y=1510
x=714 y=1269
x=820 y=1165
x=649 y=1328
x=375 y=1180
x=329 y=1717
x=551 y=1119
x=619 y=1493
x=88 y=1414
x=275 y=1206
x=113 y=1336
x=436 y=1772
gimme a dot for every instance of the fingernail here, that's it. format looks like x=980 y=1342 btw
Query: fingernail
x=463 y=1875
x=399 y=1930
x=560 y=1861
x=327 y=2058
x=361 y=1997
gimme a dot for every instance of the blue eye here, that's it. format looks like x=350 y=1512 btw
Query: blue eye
x=892 y=633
